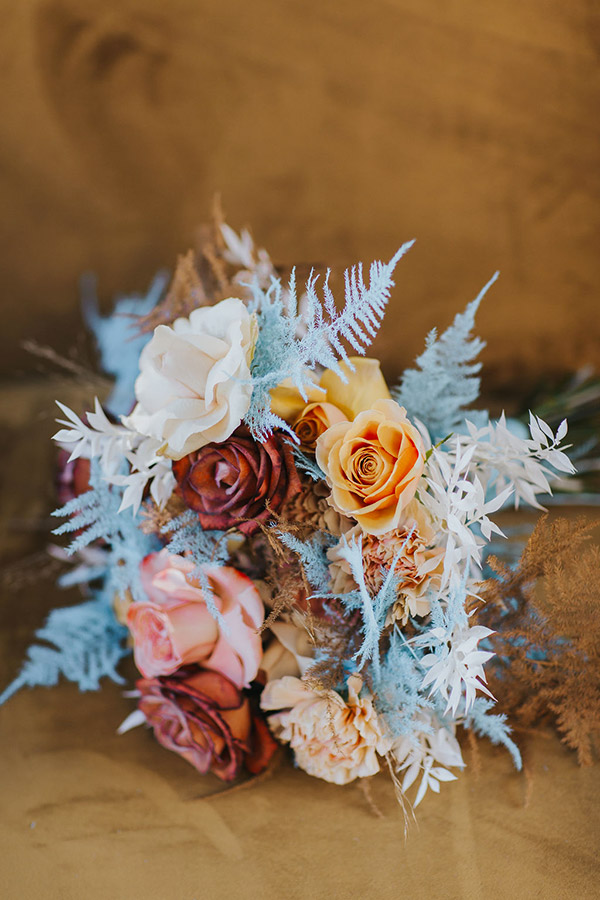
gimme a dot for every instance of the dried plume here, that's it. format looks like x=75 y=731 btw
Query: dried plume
x=546 y=614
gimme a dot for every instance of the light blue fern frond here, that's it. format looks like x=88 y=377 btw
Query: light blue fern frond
x=492 y=726
x=312 y=553
x=95 y=515
x=203 y=548
x=359 y=320
x=290 y=345
x=81 y=643
x=446 y=382
x=118 y=342
x=307 y=464
x=398 y=687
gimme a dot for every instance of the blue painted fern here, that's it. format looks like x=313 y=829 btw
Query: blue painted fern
x=446 y=381
x=280 y=353
x=118 y=344
x=81 y=643
x=85 y=643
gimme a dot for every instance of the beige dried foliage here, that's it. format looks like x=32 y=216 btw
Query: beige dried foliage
x=310 y=510
x=154 y=519
x=546 y=615
x=202 y=277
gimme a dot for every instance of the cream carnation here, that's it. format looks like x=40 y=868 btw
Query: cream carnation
x=194 y=383
x=332 y=739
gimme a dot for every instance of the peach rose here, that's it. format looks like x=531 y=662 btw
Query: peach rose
x=286 y=400
x=373 y=465
x=333 y=739
x=315 y=419
x=174 y=626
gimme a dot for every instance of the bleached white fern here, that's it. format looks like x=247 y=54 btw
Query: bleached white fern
x=455 y=664
x=472 y=476
x=254 y=263
x=502 y=458
x=98 y=438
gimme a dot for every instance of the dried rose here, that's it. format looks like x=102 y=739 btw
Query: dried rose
x=238 y=483
x=207 y=720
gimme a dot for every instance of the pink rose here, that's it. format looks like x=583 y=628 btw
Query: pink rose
x=174 y=626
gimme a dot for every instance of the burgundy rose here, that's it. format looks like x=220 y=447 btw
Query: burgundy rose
x=205 y=718
x=238 y=482
x=72 y=478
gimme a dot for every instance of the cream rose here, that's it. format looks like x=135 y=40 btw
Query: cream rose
x=333 y=739
x=194 y=382
x=372 y=465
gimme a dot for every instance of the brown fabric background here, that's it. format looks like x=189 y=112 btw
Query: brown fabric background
x=337 y=130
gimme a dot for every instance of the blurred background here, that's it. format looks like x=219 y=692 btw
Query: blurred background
x=337 y=131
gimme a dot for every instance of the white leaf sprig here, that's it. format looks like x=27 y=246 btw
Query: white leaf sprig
x=429 y=752
x=115 y=445
x=455 y=665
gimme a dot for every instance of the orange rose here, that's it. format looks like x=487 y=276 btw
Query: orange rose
x=315 y=419
x=287 y=402
x=373 y=465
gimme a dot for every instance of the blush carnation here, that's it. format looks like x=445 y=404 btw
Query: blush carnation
x=418 y=562
x=332 y=739
x=238 y=483
x=174 y=626
x=206 y=719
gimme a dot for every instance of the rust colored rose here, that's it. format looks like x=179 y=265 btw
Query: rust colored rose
x=207 y=720
x=72 y=478
x=239 y=482
x=373 y=465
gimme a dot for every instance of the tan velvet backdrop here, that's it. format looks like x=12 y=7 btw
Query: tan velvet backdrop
x=337 y=129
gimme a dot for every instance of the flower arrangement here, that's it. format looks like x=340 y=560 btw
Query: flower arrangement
x=291 y=547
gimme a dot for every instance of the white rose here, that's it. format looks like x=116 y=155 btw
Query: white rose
x=194 y=382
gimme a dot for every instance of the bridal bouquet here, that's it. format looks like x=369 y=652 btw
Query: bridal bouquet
x=291 y=548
